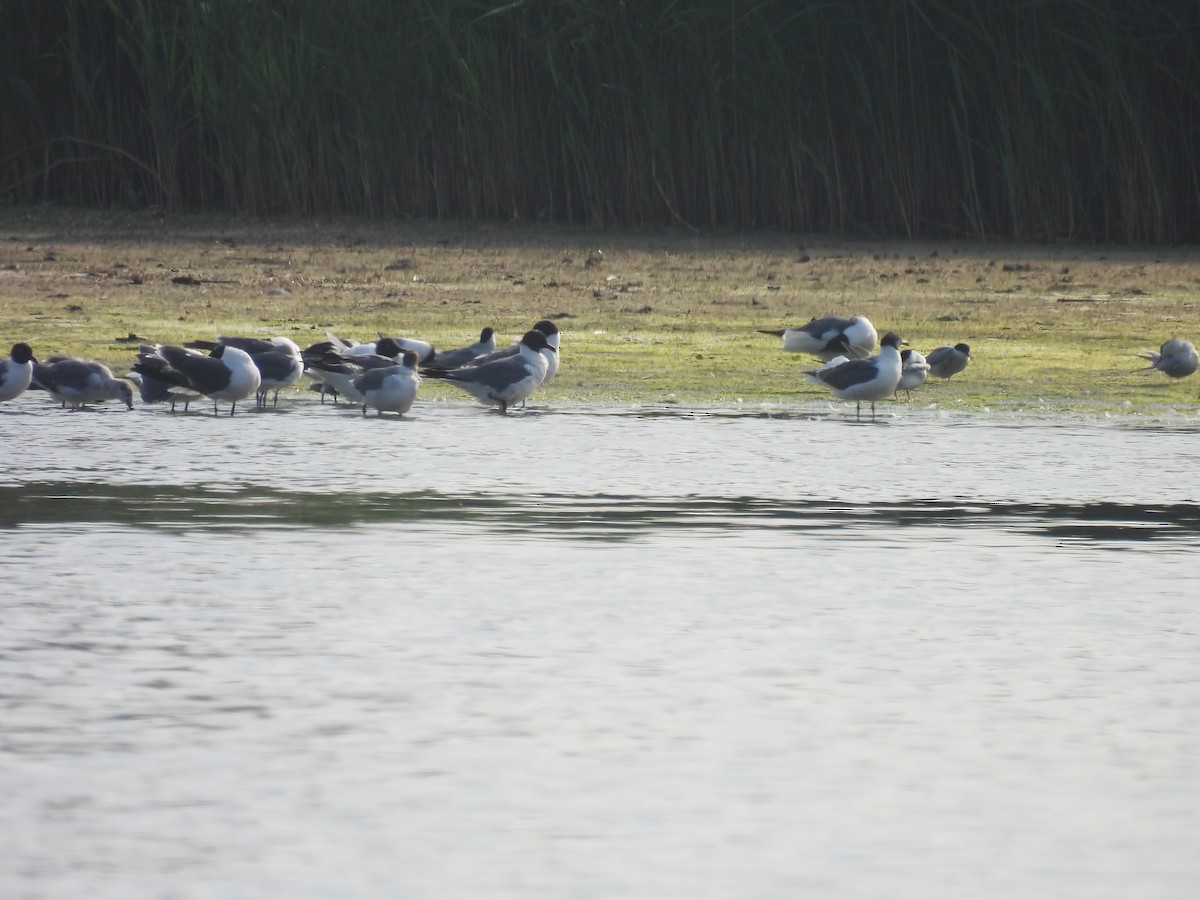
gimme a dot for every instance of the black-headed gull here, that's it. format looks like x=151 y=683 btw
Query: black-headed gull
x=829 y=337
x=228 y=374
x=946 y=362
x=463 y=356
x=550 y=351
x=277 y=359
x=76 y=382
x=390 y=388
x=865 y=379
x=1176 y=358
x=16 y=372
x=913 y=370
x=505 y=381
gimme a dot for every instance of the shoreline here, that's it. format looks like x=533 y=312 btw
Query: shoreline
x=646 y=315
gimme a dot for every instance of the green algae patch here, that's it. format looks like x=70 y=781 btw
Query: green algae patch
x=646 y=316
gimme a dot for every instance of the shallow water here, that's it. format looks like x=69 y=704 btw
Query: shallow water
x=597 y=653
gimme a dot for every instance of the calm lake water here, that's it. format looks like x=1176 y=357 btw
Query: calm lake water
x=614 y=653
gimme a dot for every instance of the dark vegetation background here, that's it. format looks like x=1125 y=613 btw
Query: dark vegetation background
x=1023 y=119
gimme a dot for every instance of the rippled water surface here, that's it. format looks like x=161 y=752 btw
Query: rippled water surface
x=589 y=653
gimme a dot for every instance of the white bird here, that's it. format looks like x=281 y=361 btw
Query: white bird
x=334 y=375
x=277 y=359
x=946 y=362
x=16 y=372
x=550 y=351
x=228 y=374
x=77 y=382
x=1176 y=358
x=504 y=381
x=913 y=370
x=390 y=388
x=865 y=379
x=385 y=346
x=829 y=337
x=336 y=372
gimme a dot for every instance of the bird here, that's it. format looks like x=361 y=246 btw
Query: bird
x=550 y=352
x=335 y=371
x=504 y=381
x=278 y=361
x=227 y=374
x=385 y=346
x=16 y=372
x=871 y=379
x=390 y=388
x=553 y=347
x=158 y=382
x=1176 y=358
x=152 y=390
x=425 y=351
x=946 y=362
x=335 y=376
x=829 y=337
x=462 y=356
x=77 y=382
x=913 y=369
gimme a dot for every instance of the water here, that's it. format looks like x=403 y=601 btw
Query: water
x=597 y=653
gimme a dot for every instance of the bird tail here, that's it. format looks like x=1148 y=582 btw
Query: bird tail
x=777 y=332
x=1153 y=356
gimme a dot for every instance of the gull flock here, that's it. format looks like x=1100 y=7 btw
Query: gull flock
x=386 y=374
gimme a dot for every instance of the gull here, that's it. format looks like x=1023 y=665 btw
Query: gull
x=277 y=359
x=946 y=362
x=1176 y=358
x=462 y=356
x=335 y=372
x=335 y=375
x=155 y=390
x=871 y=379
x=227 y=374
x=505 y=381
x=913 y=369
x=829 y=337
x=390 y=388
x=77 y=382
x=16 y=372
x=550 y=351
x=385 y=346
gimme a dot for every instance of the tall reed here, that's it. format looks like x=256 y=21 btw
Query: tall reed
x=1019 y=118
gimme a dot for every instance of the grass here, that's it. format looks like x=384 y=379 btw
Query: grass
x=648 y=316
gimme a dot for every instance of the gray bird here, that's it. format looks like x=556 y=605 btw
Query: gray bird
x=865 y=379
x=77 y=382
x=505 y=381
x=277 y=360
x=946 y=362
x=913 y=369
x=550 y=352
x=1176 y=358
x=463 y=356
x=390 y=388
x=829 y=337
x=228 y=374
